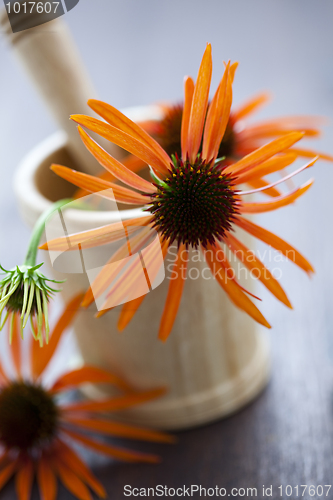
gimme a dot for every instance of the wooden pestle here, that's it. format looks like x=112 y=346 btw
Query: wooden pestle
x=50 y=58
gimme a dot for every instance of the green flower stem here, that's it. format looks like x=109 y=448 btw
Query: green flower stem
x=38 y=230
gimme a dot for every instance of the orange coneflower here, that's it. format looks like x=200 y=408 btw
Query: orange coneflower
x=36 y=429
x=193 y=199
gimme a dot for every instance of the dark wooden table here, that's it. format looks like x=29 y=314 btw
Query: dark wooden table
x=138 y=52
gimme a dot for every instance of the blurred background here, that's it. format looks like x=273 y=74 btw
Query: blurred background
x=137 y=52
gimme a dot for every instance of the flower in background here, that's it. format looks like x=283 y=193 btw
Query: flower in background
x=35 y=428
x=240 y=137
x=194 y=200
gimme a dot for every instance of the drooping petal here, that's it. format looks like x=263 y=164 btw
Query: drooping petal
x=97 y=185
x=281 y=201
x=276 y=242
x=96 y=237
x=24 y=479
x=267 y=167
x=112 y=451
x=117 y=119
x=131 y=277
x=174 y=294
x=125 y=141
x=71 y=460
x=250 y=260
x=237 y=296
x=250 y=106
x=232 y=71
x=116 y=403
x=121 y=430
x=199 y=104
x=71 y=481
x=104 y=279
x=309 y=153
x=46 y=479
x=267 y=186
x=188 y=96
x=7 y=472
x=273 y=130
x=88 y=374
x=261 y=185
x=115 y=167
x=40 y=357
x=264 y=153
x=129 y=308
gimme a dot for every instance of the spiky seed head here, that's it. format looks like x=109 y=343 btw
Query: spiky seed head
x=196 y=204
x=24 y=291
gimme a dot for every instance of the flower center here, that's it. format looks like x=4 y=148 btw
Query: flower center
x=168 y=133
x=195 y=204
x=28 y=416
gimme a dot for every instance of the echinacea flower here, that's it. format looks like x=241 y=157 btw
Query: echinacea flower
x=24 y=291
x=36 y=429
x=194 y=200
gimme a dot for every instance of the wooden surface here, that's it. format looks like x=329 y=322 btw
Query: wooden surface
x=138 y=52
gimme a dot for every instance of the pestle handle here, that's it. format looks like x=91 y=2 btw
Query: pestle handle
x=50 y=58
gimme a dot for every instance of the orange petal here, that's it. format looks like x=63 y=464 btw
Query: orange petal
x=46 y=478
x=117 y=119
x=276 y=242
x=250 y=106
x=7 y=472
x=237 y=296
x=129 y=308
x=115 y=167
x=308 y=153
x=24 y=479
x=96 y=237
x=254 y=264
x=259 y=155
x=88 y=374
x=121 y=430
x=98 y=185
x=265 y=131
x=132 y=279
x=40 y=358
x=174 y=295
x=116 y=403
x=214 y=115
x=267 y=167
x=104 y=279
x=71 y=481
x=131 y=162
x=281 y=201
x=71 y=460
x=16 y=345
x=199 y=104
x=188 y=96
x=112 y=451
x=125 y=141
